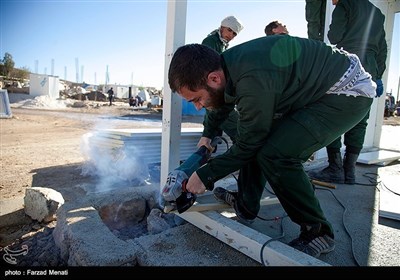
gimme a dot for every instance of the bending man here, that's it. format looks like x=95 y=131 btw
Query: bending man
x=294 y=96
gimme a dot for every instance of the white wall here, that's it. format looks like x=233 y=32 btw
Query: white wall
x=121 y=91
x=44 y=85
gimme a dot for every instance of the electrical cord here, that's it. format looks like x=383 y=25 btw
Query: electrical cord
x=344 y=224
x=372 y=181
x=274 y=238
x=285 y=215
x=279 y=218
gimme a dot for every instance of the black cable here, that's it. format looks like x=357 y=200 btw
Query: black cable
x=284 y=216
x=373 y=181
x=274 y=238
x=344 y=224
x=269 y=220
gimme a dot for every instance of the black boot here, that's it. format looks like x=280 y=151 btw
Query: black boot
x=349 y=166
x=334 y=173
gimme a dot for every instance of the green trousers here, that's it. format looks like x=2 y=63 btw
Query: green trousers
x=352 y=139
x=315 y=16
x=292 y=140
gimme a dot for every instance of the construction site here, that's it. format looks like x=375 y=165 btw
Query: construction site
x=47 y=147
x=81 y=181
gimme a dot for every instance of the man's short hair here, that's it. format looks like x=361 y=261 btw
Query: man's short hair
x=272 y=25
x=190 y=66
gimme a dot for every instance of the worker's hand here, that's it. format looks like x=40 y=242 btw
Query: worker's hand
x=379 y=88
x=195 y=185
x=204 y=141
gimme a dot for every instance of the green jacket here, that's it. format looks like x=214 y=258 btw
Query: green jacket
x=268 y=78
x=358 y=27
x=213 y=41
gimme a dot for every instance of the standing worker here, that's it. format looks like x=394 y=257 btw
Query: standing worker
x=219 y=40
x=315 y=17
x=357 y=27
x=279 y=85
x=110 y=95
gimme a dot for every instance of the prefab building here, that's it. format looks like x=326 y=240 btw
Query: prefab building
x=121 y=91
x=44 y=85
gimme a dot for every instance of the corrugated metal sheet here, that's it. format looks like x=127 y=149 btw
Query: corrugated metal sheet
x=146 y=143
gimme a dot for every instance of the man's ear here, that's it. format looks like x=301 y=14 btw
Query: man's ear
x=214 y=78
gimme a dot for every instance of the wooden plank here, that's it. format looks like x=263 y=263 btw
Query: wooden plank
x=249 y=241
x=323 y=184
x=199 y=207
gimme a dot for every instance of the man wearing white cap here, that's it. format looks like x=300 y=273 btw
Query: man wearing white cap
x=219 y=40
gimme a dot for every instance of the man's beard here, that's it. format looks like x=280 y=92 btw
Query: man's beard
x=216 y=98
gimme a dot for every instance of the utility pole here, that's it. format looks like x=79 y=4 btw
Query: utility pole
x=52 y=67
x=77 y=69
x=36 y=66
x=106 y=83
x=95 y=85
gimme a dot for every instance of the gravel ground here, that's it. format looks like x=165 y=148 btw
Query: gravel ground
x=41 y=248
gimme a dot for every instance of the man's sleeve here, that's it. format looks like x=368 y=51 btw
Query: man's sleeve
x=381 y=56
x=256 y=109
x=209 y=42
x=337 y=28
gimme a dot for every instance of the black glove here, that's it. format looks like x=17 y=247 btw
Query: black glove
x=379 y=88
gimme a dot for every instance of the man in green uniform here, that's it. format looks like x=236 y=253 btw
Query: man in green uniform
x=294 y=96
x=315 y=17
x=357 y=27
x=219 y=40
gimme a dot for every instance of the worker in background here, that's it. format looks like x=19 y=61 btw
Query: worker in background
x=275 y=27
x=110 y=93
x=357 y=27
x=315 y=17
x=219 y=40
x=281 y=122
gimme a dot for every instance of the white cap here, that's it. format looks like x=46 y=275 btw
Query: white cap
x=233 y=23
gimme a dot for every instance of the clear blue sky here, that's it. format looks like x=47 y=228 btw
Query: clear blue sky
x=127 y=36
